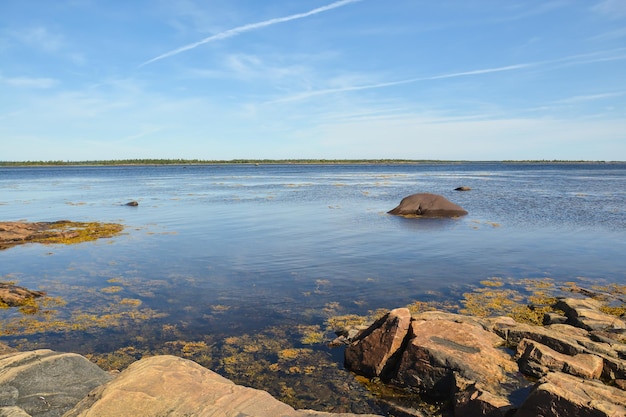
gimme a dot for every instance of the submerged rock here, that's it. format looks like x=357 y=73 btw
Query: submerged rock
x=427 y=205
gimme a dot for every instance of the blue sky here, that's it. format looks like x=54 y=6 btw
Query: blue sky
x=349 y=79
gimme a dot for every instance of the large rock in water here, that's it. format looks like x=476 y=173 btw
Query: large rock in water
x=427 y=205
x=171 y=386
x=45 y=383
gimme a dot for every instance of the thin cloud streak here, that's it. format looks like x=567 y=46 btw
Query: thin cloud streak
x=252 y=26
x=306 y=95
x=581 y=59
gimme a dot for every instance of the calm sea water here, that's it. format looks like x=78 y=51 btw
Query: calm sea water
x=224 y=252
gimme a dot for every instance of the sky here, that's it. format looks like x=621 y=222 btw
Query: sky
x=312 y=79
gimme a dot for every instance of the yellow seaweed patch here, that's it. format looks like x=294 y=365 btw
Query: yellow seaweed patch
x=311 y=335
x=68 y=232
x=111 y=290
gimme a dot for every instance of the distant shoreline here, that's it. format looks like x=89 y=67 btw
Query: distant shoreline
x=152 y=162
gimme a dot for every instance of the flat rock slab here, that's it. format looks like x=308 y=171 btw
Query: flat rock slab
x=585 y=313
x=12 y=295
x=427 y=205
x=44 y=383
x=537 y=360
x=562 y=395
x=62 y=231
x=171 y=386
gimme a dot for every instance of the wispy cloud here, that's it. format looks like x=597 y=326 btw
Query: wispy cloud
x=28 y=82
x=572 y=60
x=309 y=94
x=591 y=97
x=249 y=27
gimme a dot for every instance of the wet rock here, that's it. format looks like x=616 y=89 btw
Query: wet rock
x=585 y=313
x=132 y=204
x=427 y=205
x=46 y=383
x=441 y=348
x=537 y=360
x=371 y=352
x=14 y=296
x=562 y=395
x=15 y=233
x=168 y=385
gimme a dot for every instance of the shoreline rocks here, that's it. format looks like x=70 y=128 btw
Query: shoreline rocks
x=61 y=231
x=44 y=383
x=481 y=365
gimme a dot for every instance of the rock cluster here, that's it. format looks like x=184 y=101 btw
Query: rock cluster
x=44 y=383
x=482 y=365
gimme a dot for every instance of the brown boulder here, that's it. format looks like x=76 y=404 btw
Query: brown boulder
x=562 y=395
x=537 y=360
x=427 y=205
x=371 y=351
x=441 y=348
x=585 y=313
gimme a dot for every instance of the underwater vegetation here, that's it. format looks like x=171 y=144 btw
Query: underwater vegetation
x=293 y=361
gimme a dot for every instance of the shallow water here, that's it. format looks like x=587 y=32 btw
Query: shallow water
x=240 y=256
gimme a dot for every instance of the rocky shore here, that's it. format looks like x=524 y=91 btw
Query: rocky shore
x=44 y=383
x=574 y=365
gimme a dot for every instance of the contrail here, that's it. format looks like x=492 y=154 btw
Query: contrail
x=251 y=26
x=308 y=94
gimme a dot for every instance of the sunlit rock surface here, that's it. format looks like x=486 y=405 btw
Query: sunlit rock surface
x=427 y=205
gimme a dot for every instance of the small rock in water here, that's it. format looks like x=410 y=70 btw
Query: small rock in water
x=132 y=204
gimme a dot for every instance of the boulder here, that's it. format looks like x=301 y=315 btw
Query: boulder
x=585 y=313
x=427 y=205
x=537 y=360
x=45 y=383
x=472 y=400
x=562 y=395
x=440 y=349
x=371 y=352
x=172 y=386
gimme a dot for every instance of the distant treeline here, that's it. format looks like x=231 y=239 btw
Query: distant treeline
x=268 y=161
x=206 y=162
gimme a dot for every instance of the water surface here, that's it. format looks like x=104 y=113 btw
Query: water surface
x=242 y=257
